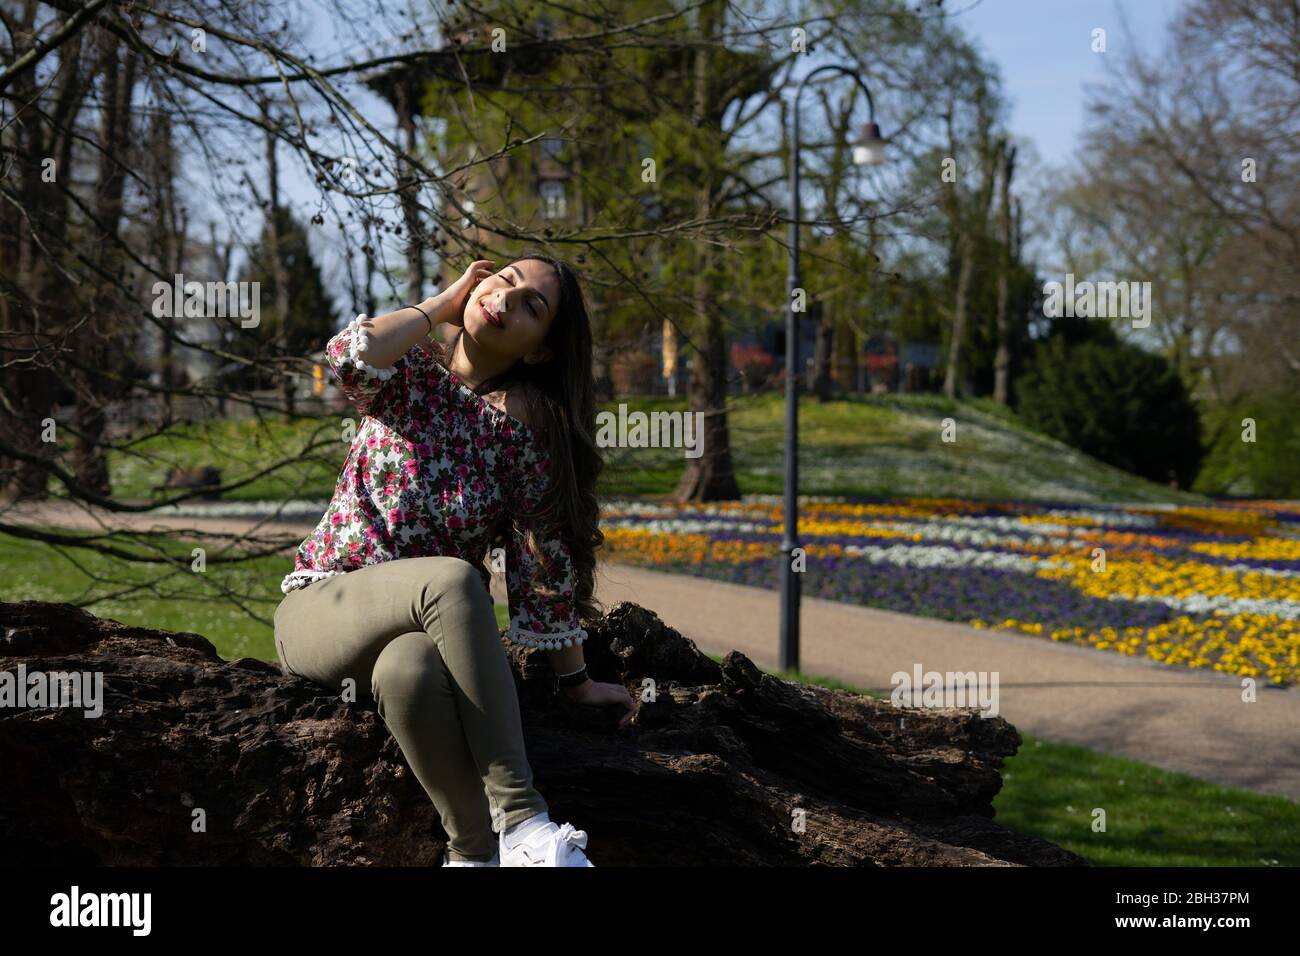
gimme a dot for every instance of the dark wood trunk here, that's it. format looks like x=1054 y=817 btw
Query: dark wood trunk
x=725 y=765
x=1002 y=360
x=283 y=294
x=709 y=477
x=33 y=392
x=409 y=198
x=90 y=459
x=823 y=384
x=33 y=294
x=105 y=343
x=960 y=307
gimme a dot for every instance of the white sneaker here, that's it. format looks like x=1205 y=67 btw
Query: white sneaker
x=547 y=845
x=448 y=861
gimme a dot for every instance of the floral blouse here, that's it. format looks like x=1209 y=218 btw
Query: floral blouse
x=433 y=468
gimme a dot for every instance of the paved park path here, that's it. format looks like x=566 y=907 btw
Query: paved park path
x=1190 y=721
x=1176 y=718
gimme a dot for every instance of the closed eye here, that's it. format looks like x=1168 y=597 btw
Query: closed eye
x=531 y=308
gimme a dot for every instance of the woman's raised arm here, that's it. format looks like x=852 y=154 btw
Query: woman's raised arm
x=391 y=335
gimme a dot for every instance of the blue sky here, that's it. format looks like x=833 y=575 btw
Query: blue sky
x=1043 y=49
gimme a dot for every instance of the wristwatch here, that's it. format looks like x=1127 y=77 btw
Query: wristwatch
x=575 y=679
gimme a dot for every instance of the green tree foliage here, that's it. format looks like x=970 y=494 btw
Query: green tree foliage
x=1110 y=399
x=1269 y=466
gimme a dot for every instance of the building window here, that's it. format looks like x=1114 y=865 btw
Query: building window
x=553 y=199
x=552 y=145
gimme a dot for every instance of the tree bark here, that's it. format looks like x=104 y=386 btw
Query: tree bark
x=407 y=194
x=1002 y=360
x=167 y=245
x=967 y=245
x=823 y=386
x=709 y=477
x=286 y=772
x=283 y=298
x=971 y=229
x=103 y=345
x=30 y=286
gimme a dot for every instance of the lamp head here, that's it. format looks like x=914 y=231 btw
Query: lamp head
x=869 y=150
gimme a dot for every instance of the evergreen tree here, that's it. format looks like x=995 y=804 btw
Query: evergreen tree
x=311 y=320
x=1121 y=404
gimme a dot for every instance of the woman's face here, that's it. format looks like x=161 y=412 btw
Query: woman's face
x=510 y=311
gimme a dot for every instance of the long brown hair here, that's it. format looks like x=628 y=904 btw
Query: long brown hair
x=565 y=410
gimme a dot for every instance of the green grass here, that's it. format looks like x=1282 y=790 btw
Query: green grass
x=1154 y=817
x=887 y=445
x=231 y=604
x=278 y=460
x=891 y=445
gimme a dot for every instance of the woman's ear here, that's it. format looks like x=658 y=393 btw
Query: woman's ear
x=540 y=354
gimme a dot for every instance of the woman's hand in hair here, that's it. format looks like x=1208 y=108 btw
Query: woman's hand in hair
x=601 y=695
x=456 y=295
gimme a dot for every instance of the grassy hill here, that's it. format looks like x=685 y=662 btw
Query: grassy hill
x=863 y=445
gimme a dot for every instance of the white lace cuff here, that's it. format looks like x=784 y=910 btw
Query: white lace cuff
x=548 y=641
x=300 y=579
x=358 y=341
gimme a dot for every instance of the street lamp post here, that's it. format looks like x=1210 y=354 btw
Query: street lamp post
x=868 y=150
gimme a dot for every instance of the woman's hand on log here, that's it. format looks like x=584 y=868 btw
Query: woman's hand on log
x=601 y=695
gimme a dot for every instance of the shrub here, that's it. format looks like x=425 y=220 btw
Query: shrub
x=1114 y=401
x=753 y=363
x=1268 y=467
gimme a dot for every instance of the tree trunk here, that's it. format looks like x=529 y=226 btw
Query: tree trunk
x=847 y=352
x=709 y=477
x=961 y=307
x=287 y=772
x=969 y=229
x=283 y=298
x=33 y=392
x=959 y=314
x=1002 y=361
x=407 y=194
x=101 y=346
x=822 y=385
x=167 y=247
x=33 y=295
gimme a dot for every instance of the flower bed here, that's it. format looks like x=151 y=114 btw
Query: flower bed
x=1204 y=587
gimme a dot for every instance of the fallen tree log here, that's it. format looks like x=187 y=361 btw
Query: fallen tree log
x=725 y=766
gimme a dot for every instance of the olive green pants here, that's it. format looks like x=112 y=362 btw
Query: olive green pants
x=420 y=637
